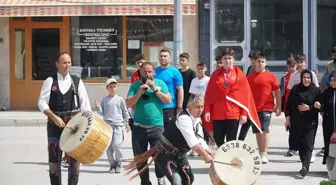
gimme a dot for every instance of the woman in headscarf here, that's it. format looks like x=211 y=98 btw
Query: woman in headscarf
x=302 y=116
x=328 y=108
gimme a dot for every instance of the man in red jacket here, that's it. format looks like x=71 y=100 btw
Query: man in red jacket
x=139 y=59
x=228 y=101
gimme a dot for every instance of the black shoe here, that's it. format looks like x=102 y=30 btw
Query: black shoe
x=112 y=169
x=303 y=171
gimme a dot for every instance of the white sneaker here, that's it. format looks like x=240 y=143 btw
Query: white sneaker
x=312 y=159
x=264 y=158
x=193 y=154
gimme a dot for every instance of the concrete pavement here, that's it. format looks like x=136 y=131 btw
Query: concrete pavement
x=24 y=161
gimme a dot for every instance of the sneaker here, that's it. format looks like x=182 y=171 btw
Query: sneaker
x=312 y=159
x=193 y=154
x=112 y=169
x=290 y=153
x=118 y=169
x=161 y=181
x=264 y=158
x=303 y=171
x=321 y=153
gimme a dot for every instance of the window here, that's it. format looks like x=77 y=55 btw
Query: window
x=229 y=22
x=45 y=47
x=19 y=53
x=148 y=35
x=326 y=28
x=277 y=28
x=96 y=47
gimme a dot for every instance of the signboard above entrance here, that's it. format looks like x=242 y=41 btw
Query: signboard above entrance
x=21 y=8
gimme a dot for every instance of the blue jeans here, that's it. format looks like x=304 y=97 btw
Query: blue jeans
x=140 y=139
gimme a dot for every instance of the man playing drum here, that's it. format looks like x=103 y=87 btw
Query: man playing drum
x=62 y=96
x=177 y=139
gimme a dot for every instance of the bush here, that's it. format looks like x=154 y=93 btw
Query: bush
x=333 y=182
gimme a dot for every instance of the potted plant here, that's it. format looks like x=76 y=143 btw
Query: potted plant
x=328 y=182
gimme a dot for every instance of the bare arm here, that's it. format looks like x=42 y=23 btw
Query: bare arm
x=277 y=94
x=165 y=98
x=132 y=100
x=179 y=96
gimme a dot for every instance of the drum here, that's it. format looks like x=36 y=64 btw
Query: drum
x=86 y=137
x=235 y=163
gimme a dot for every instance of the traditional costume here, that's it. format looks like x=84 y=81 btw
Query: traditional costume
x=227 y=98
x=65 y=97
x=170 y=152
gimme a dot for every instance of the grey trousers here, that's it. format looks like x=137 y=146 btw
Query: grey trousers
x=114 y=151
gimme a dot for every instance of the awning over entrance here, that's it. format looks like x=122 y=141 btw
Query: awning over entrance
x=31 y=8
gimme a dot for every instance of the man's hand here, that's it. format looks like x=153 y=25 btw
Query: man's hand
x=207 y=116
x=151 y=84
x=208 y=158
x=211 y=152
x=303 y=107
x=97 y=103
x=287 y=124
x=278 y=111
x=127 y=127
x=243 y=119
x=143 y=88
x=58 y=121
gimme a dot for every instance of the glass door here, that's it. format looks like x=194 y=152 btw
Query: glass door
x=35 y=43
x=229 y=29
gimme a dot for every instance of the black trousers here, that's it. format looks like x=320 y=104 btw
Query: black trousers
x=293 y=140
x=225 y=130
x=328 y=129
x=305 y=134
x=244 y=130
x=55 y=158
x=169 y=116
x=177 y=171
x=141 y=137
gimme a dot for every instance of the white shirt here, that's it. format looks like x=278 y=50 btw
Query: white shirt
x=199 y=86
x=64 y=84
x=187 y=125
x=295 y=78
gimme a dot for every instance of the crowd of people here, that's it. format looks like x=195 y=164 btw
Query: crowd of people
x=173 y=113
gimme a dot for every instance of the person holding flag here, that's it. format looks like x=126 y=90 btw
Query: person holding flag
x=228 y=101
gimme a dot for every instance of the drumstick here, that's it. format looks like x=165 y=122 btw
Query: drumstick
x=231 y=164
x=68 y=127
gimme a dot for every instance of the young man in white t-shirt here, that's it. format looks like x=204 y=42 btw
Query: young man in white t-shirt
x=301 y=63
x=200 y=83
x=198 y=86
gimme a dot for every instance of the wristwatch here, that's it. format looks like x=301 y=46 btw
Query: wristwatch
x=156 y=90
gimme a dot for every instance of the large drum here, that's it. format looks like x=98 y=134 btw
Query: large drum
x=235 y=163
x=86 y=137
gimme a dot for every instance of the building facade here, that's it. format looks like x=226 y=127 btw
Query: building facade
x=101 y=36
x=275 y=27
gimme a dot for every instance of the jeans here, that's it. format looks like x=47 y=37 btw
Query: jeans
x=140 y=139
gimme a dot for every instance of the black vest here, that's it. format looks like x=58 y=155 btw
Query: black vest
x=175 y=137
x=59 y=102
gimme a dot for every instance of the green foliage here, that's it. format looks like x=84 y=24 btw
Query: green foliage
x=332 y=182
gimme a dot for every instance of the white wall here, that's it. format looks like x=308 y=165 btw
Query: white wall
x=4 y=60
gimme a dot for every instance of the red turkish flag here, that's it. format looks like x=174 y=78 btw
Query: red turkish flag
x=239 y=93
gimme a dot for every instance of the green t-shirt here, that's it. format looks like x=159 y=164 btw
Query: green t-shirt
x=148 y=111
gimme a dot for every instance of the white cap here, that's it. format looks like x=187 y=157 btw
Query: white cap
x=111 y=80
